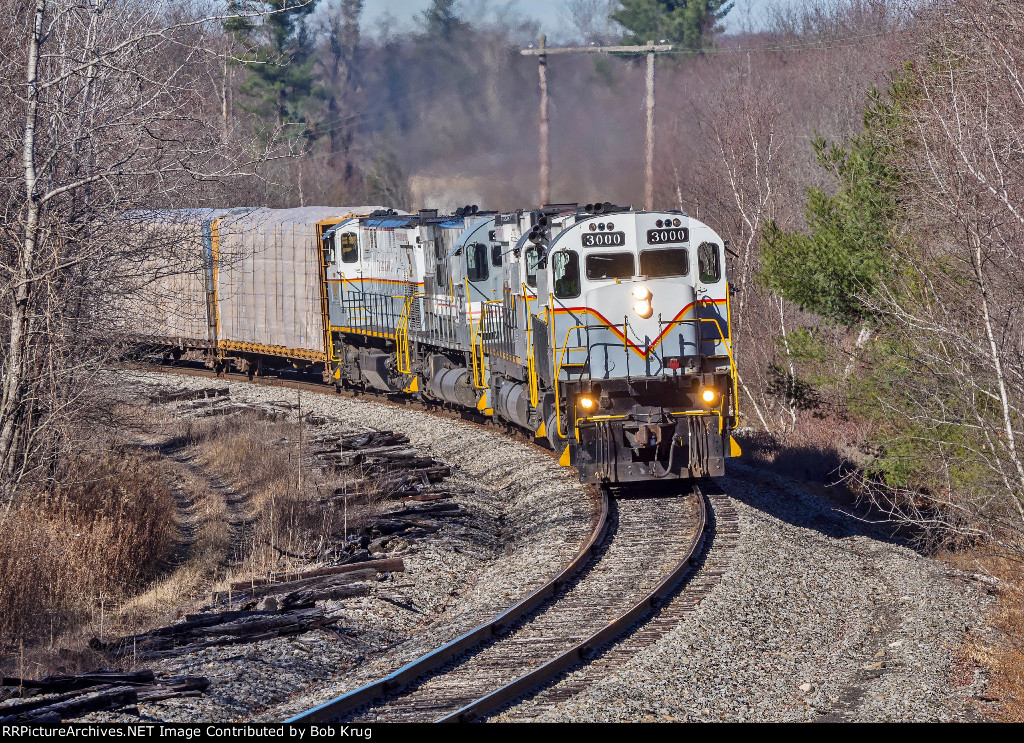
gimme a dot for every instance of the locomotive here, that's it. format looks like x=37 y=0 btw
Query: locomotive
x=602 y=329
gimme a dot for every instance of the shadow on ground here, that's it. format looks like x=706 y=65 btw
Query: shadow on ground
x=806 y=486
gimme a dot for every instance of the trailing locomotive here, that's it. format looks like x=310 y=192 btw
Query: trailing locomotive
x=602 y=329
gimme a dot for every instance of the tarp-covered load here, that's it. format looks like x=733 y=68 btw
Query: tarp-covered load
x=171 y=305
x=247 y=280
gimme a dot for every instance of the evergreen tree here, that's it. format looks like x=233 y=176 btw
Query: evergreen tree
x=342 y=80
x=688 y=23
x=851 y=233
x=441 y=22
x=280 y=84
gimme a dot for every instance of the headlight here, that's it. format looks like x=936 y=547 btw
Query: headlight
x=643 y=309
x=587 y=403
x=641 y=293
x=708 y=395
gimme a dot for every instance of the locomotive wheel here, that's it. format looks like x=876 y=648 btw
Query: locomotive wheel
x=556 y=439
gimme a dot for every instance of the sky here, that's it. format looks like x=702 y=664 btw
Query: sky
x=549 y=13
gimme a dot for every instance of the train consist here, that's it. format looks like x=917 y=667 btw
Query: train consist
x=602 y=329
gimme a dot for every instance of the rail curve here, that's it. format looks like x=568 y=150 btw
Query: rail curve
x=556 y=627
x=641 y=550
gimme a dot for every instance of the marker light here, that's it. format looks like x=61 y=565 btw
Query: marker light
x=586 y=403
x=708 y=395
x=643 y=309
x=641 y=293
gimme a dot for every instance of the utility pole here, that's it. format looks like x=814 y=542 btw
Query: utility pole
x=545 y=157
x=649 y=175
x=542 y=57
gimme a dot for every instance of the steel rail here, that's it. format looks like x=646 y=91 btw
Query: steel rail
x=583 y=650
x=408 y=673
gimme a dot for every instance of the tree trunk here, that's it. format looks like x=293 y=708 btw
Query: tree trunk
x=12 y=402
x=1010 y=439
x=791 y=380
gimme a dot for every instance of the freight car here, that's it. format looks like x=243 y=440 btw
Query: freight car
x=239 y=286
x=601 y=329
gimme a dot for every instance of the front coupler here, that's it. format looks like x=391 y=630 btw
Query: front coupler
x=652 y=447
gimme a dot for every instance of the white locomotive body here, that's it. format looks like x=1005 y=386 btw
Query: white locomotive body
x=603 y=329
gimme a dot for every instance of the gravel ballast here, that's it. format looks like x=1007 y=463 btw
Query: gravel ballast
x=531 y=518
x=819 y=615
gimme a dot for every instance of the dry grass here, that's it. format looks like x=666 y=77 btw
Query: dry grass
x=74 y=551
x=288 y=510
x=199 y=561
x=1004 y=654
x=136 y=539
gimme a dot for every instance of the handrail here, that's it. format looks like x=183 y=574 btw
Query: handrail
x=532 y=381
x=727 y=342
x=558 y=371
x=565 y=347
x=735 y=371
x=404 y=359
x=481 y=363
x=478 y=357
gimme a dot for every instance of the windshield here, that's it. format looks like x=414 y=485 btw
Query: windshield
x=532 y=259
x=669 y=262
x=610 y=266
x=707 y=263
x=565 y=266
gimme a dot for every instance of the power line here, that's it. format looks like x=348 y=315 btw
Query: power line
x=796 y=46
x=651 y=49
x=638 y=49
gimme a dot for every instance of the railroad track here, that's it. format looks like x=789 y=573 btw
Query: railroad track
x=721 y=537
x=640 y=552
x=620 y=594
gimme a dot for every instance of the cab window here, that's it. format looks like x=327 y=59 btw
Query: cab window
x=661 y=263
x=565 y=267
x=476 y=262
x=349 y=248
x=532 y=256
x=708 y=265
x=610 y=266
x=496 y=255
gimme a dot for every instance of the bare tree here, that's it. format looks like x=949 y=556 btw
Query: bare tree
x=592 y=20
x=108 y=117
x=954 y=313
x=747 y=143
